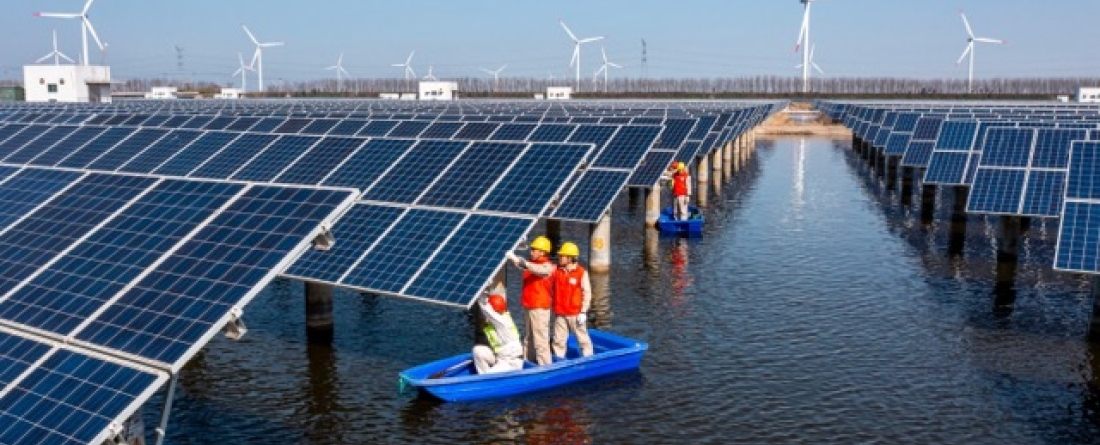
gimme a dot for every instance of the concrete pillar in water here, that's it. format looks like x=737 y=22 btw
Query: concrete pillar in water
x=599 y=257
x=956 y=240
x=716 y=164
x=319 y=325
x=635 y=196
x=553 y=231
x=651 y=248
x=702 y=176
x=906 y=186
x=927 y=203
x=727 y=162
x=599 y=311
x=1004 y=288
x=891 y=171
x=652 y=206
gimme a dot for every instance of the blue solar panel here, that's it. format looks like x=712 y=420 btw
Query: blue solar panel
x=441 y=130
x=155 y=120
x=927 y=129
x=918 y=154
x=547 y=165
x=6 y=132
x=378 y=128
x=1079 y=237
x=267 y=125
x=997 y=191
x=397 y=257
x=365 y=166
x=355 y=232
x=628 y=147
x=957 y=135
x=552 y=133
x=72 y=398
x=475 y=172
x=689 y=151
x=175 y=121
x=674 y=134
x=31 y=149
x=319 y=126
x=63 y=148
x=653 y=166
x=457 y=279
x=1044 y=194
x=347 y=127
x=947 y=168
x=705 y=126
x=164 y=149
x=592 y=195
x=477 y=131
x=234 y=156
x=897 y=144
x=219 y=123
x=23 y=192
x=513 y=132
x=195 y=154
x=408 y=129
x=906 y=122
x=1052 y=147
x=197 y=122
x=275 y=158
x=96 y=148
x=292 y=126
x=167 y=314
x=593 y=134
x=127 y=150
x=408 y=178
x=77 y=284
x=321 y=160
x=242 y=124
x=63 y=220
x=1008 y=147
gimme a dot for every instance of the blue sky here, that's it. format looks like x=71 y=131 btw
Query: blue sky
x=688 y=38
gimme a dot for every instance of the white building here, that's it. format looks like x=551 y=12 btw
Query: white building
x=163 y=93
x=230 y=93
x=1088 y=94
x=67 y=83
x=559 y=93
x=438 y=90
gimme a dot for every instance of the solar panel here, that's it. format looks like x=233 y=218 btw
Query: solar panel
x=1079 y=236
x=267 y=125
x=275 y=158
x=1037 y=158
x=368 y=163
x=477 y=131
x=319 y=126
x=948 y=164
x=674 y=134
x=918 y=154
x=181 y=303
x=408 y=129
x=592 y=195
x=242 y=124
x=897 y=144
x=220 y=123
x=155 y=120
x=320 y=161
x=408 y=178
x=593 y=134
x=688 y=152
x=398 y=255
x=196 y=153
x=457 y=279
x=197 y=122
x=378 y=128
x=356 y=231
x=545 y=165
x=292 y=126
x=1008 y=147
x=28 y=189
x=1044 y=193
x=472 y=175
x=33 y=148
x=161 y=151
x=173 y=121
x=441 y=130
x=552 y=133
x=95 y=148
x=513 y=132
x=705 y=125
x=628 y=147
x=73 y=142
x=997 y=191
x=653 y=166
x=234 y=156
x=347 y=127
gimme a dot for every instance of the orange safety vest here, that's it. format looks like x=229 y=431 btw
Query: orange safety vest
x=536 y=289
x=568 y=293
x=680 y=183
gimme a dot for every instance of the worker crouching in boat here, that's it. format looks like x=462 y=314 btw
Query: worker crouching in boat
x=537 y=295
x=572 y=297
x=504 y=352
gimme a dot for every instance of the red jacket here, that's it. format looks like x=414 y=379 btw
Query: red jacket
x=537 y=289
x=570 y=291
x=680 y=184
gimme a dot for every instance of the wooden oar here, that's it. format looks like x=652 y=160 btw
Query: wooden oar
x=451 y=369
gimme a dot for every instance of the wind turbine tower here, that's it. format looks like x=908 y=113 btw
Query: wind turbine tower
x=576 y=60
x=496 y=76
x=85 y=26
x=340 y=72
x=803 y=44
x=258 y=56
x=56 y=54
x=969 y=51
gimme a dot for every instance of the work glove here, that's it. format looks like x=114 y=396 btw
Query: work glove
x=581 y=319
x=511 y=256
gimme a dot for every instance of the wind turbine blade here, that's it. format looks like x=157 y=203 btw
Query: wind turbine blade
x=63 y=56
x=576 y=55
x=969 y=31
x=818 y=69
x=486 y=71
x=95 y=36
x=398 y=65
x=591 y=39
x=502 y=67
x=409 y=61
x=614 y=65
x=969 y=47
x=87 y=6
x=57 y=15
x=802 y=31
x=239 y=71
x=44 y=58
x=412 y=72
x=568 y=31
x=603 y=52
x=340 y=60
x=255 y=57
x=250 y=36
x=346 y=73
x=985 y=40
x=272 y=44
x=240 y=58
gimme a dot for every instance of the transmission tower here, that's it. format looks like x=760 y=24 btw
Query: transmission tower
x=645 y=61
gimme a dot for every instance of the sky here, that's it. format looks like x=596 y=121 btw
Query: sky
x=687 y=38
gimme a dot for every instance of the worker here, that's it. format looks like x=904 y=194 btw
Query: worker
x=537 y=281
x=681 y=190
x=572 y=297
x=504 y=352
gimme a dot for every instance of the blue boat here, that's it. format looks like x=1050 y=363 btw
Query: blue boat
x=455 y=379
x=693 y=226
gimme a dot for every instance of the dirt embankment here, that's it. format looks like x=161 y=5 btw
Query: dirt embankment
x=799 y=119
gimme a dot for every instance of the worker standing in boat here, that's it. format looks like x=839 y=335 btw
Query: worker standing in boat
x=536 y=298
x=681 y=190
x=572 y=297
x=504 y=352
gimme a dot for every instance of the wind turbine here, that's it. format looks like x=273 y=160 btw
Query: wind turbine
x=803 y=44
x=970 y=40
x=57 y=55
x=86 y=26
x=576 y=60
x=496 y=75
x=243 y=72
x=258 y=56
x=409 y=73
x=604 y=69
x=812 y=63
x=340 y=72
x=430 y=76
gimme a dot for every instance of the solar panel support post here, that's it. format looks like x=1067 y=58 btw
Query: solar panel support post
x=927 y=203
x=702 y=178
x=651 y=249
x=956 y=240
x=553 y=231
x=319 y=324
x=1094 y=320
x=599 y=255
x=727 y=161
x=1009 y=239
x=906 y=186
x=166 y=412
x=652 y=205
x=891 y=170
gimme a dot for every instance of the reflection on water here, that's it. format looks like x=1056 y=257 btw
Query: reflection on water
x=834 y=318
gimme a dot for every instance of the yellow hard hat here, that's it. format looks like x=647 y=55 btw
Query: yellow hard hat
x=542 y=243
x=680 y=166
x=569 y=249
